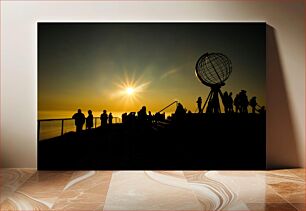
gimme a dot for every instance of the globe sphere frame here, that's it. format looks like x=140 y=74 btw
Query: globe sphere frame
x=213 y=69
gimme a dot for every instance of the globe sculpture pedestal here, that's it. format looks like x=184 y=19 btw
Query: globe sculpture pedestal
x=213 y=105
x=213 y=69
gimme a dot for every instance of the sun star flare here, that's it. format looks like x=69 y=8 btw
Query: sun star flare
x=130 y=90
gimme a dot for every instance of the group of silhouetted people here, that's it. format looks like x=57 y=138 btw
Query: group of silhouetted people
x=228 y=102
x=142 y=117
x=80 y=119
x=105 y=118
x=240 y=102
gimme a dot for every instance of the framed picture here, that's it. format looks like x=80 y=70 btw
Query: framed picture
x=134 y=96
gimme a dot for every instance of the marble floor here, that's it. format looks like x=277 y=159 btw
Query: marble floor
x=28 y=189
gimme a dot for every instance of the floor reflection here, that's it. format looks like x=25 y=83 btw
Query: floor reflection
x=27 y=189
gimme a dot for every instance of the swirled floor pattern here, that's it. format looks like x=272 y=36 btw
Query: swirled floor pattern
x=28 y=189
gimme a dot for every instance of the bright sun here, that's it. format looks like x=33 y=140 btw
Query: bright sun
x=130 y=90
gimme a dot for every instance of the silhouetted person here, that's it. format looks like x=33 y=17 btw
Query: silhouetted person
x=131 y=118
x=157 y=117
x=180 y=112
x=124 y=117
x=110 y=118
x=244 y=102
x=89 y=120
x=199 y=102
x=79 y=120
x=142 y=114
x=237 y=103
x=103 y=118
x=225 y=102
x=230 y=103
x=253 y=104
x=150 y=118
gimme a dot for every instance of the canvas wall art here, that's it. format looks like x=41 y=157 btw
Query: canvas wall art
x=138 y=96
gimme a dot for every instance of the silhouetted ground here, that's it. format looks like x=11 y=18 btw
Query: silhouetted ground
x=199 y=142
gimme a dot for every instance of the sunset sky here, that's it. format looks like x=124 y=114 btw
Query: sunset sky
x=123 y=66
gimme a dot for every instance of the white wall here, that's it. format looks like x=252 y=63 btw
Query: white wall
x=285 y=64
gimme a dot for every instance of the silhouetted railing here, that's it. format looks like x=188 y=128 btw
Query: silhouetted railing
x=49 y=128
x=168 y=106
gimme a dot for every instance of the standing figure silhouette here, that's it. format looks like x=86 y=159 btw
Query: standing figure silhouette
x=244 y=102
x=142 y=115
x=79 y=120
x=180 y=113
x=225 y=102
x=237 y=103
x=89 y=120
x=110 y=118
x=230 y=103
x=199 y=102
x=103 y=118
x=150 y=118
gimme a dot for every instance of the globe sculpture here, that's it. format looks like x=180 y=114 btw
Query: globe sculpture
x=213 y=69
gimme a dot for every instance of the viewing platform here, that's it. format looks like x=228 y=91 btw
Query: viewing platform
x=197 y=141
x=50 y=128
